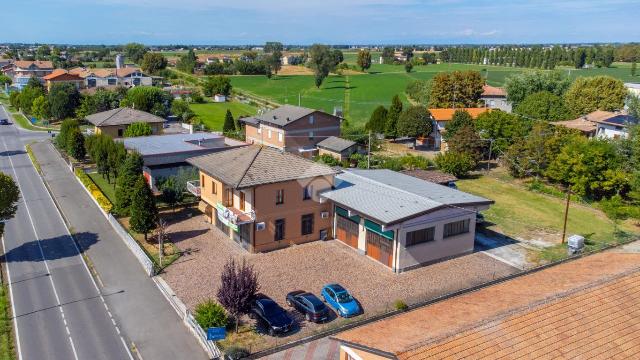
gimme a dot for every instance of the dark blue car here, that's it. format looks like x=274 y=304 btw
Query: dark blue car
x=309 y=305
x=274 y=317
x=340 y=300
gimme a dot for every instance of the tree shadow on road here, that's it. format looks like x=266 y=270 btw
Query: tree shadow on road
x=55 y=248
x=12 y=152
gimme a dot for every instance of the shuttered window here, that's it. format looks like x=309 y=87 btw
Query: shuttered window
x=456 y=228
x=420 y=236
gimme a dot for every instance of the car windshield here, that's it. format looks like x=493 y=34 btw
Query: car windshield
x=271 y=307
x=343 y=297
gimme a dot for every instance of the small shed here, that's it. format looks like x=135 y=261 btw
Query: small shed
x=341 y=149
x=219 y=98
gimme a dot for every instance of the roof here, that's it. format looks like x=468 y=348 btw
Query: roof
x=434 y=176
x=173 y=143
x=447 y=114
x=282 y=116
x=24 y=64
x=578 y=124
x=105 y=72
x=390 y=197
x=334 y=143
x=488 y=90
x=577 y=309
x=122 y=116
x=588 y=123
x=61 y=75
x=257 y=165
x=620 y=120
x=632 y=85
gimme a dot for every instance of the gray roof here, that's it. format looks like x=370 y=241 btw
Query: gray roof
x=281 y=116
x=334 y=143
x=174 y=143
x=256 y=165
x=390 y=197
x=122 y=116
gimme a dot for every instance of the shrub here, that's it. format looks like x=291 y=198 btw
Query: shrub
x=95 y=191
x=454 y=163
x=210 y=314
x=400 y=305
x=236 y=352
x=138 y=129
x=616 y=209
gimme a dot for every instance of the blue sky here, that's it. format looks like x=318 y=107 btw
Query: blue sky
x=325 y=21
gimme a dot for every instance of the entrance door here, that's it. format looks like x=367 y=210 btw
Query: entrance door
x=347 y=231
x=379 y=248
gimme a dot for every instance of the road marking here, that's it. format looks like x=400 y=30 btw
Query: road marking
x=46 y=265
x=13 y=309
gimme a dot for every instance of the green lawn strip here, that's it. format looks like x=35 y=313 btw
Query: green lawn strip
x=7 y=350
x=107 y=189
x=520 y=213
x=35 y=162
x=212 y=114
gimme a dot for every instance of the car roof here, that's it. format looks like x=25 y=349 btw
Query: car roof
x=336 y=287
x=312 y=299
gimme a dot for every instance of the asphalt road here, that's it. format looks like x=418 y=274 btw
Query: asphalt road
x=59 y=310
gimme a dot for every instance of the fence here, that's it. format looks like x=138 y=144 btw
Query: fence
x=190 y=322
x=144 y=260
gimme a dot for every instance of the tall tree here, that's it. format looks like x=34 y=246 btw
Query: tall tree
x=378 y=120
x=543 y=105
x=9 y=196
x=321 y=62
x=238 y=288
x=218 y=84
x=588 y=94
x=134 y=52
x=40 y=108
x=128 y=174
x=460 y=119
x=144 y=213
x=150 y=99
x=393 y=115
x=456 y=89
x=467 y=141
x=415 y=121
x=229 y=124
x=64 y=98
x=364 y=59
x=153 y=62
x=75 y=145
x=520 y=86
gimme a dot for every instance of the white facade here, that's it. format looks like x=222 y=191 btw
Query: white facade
x=610 y=131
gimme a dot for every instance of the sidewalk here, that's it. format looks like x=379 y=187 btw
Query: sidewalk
x=145 y=316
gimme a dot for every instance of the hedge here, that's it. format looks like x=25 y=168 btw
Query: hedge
x=95 y=191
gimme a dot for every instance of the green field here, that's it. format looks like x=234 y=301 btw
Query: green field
x=7 y=351
x=212 y=114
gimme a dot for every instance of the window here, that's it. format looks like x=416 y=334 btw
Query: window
x=310 y=134
x=311 y=119
x=214 y=187
x=228 y=197
x=456 y=227
x=280 y=196
x=280 y=137
x=120 y=132
x=307 y=192
x=279 y=229
x=201 y=180
x=307 y=224
x=269 y=133
x=259 y=130
x=111 y=81
x=242 y=200
x=420 y=236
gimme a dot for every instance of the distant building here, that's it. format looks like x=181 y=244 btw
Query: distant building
x=603 y=124
x=338 y=148
x=441 y=117
x=21 y=71
x=495 y=98
x=62 y=76
x=634 y=88
x=115 y=122
x=219 y=98
x=127 y=77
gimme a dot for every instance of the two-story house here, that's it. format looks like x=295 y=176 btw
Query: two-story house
x=61 y=76
x=442 y=117
x=22 y=71
x=263 y=198
x=291 y=128
x=127 y=77
x=495 y=98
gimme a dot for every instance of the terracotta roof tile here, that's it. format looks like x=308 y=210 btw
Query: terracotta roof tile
x=39 y=64
x=447 y=114
x=488 y=90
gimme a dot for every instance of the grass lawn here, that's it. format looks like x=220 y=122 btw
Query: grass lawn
x=7 y=351
x=212 y=114
x=523 y=214
x=20 y=119
x=109 y=190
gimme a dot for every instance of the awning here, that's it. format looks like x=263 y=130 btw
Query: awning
x=344 y=213
x=376 y=228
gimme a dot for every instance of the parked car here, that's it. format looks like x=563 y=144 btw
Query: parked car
x=479 y=218
x=268 y=311
x=340 y=300
x=4 y=122
x=309 y=305
x=452 y=184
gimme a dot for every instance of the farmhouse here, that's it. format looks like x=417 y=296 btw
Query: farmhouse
x=115 y=122
x=291 y=128
x=263 y=198
x=495 y=98
x=401 y=221
x=441 y=118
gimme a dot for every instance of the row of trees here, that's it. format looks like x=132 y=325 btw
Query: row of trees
x=58 y=103
x=414 y=121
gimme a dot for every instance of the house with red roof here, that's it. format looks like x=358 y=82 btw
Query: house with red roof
x=59 y=76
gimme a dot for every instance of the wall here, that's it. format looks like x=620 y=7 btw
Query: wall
x=345 y=155
x=349 y=353
x=253 y=136
x=156 y=129
x=610 y=132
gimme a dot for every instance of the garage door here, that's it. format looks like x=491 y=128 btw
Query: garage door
x=379 y=248
x=347 y=231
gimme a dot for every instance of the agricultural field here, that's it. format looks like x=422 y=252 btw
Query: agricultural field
x=212 y=114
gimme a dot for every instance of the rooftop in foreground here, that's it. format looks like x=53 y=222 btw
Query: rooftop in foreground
x=177 y=143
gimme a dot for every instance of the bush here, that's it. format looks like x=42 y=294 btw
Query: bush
x=138 y=129
x=102 y=200
x=211 y=314
x=400 y=305
x=454 y=163
x=236 y=352
x=616 y=209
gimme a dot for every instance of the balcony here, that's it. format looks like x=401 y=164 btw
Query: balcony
x=234 y=216
x=194 y=187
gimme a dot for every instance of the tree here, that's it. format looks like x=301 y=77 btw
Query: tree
x=144 y=214
x=138 y=129
x=467 y=141
x=378 y=120
x=457 y=89
x=633 y=105
x=229 y=124
x=579 y=58
x=135 y=52
x=5 y=80
x=503 y=128
x=393 y=115
x=66 y=128
x=460 y=119
x=454 y=163
x=29 y=93
x=9 y=196
x=238 y=288
x=634 y=69
x=75 y=145
x=521 y=85
x=338 y=56
x=210 y=314
x=153 y=62
x=218 y=84
x=321 y=62
x=364 y=59
x=271 y=46
x=415 y=121
x=148 y=98
x=543 y=105
x=181 y=109
x=388 y=55
x=419 y=91
x=408 y=66
x=40 y=108
x=64 y=98
x=129 y=172
x=588 y=94
x=187 y=62
x=172 y=191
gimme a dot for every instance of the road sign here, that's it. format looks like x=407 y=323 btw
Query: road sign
x=216 y=333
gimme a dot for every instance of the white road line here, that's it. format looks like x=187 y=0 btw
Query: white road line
x=13 y=308
x=35 y=232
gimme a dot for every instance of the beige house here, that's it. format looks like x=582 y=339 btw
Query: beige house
x=127 y=77
x=339 y=148
x=115 y=122
x=262 y=198
x=291 y=128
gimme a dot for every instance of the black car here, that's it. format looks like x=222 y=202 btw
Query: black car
x=4 y=122
x=269 y=312
x=309 y=305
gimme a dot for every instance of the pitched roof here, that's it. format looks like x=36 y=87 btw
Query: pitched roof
x=390 y=197
x=24 y=64
x=283 y=115
x=334 y=143
x=257 y=165
x=61 y=74
x=434 y=176
x=122 y=116
x=173 y=143
x=447 y=114
x=103 y=72
x=577 y=309
x=488 y=90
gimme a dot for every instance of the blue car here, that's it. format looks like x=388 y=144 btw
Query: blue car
x=340 y=300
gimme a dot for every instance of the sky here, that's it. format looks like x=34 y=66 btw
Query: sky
x=238 y=22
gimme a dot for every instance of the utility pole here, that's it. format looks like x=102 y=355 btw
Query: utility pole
x=566 y=214
x=489 y=159
x=369 y=151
